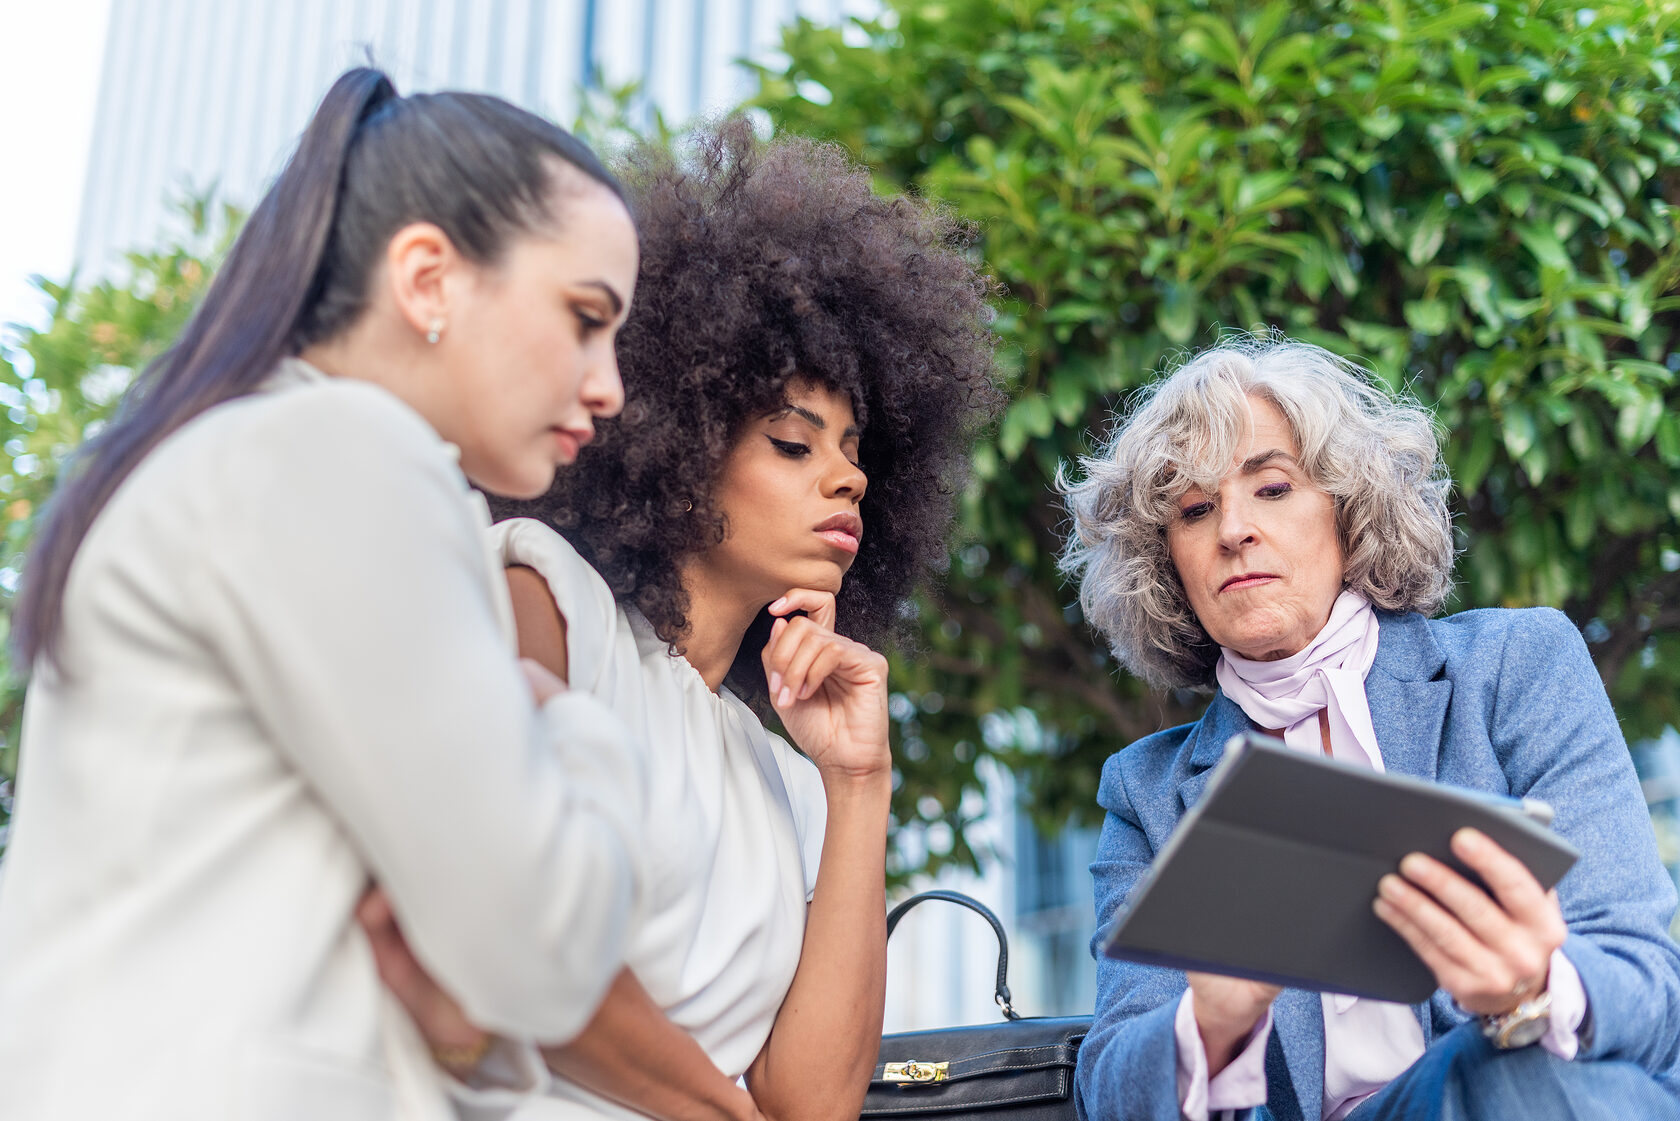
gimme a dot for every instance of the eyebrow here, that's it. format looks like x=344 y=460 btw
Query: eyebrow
x=1255 y=462
x=611 y=294
x=814 y=420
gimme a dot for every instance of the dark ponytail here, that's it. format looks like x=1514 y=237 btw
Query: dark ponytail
x=369 y=163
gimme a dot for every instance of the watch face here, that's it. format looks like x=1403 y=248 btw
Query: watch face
x=1524 y=1032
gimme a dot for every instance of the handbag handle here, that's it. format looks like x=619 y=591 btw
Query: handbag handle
x=985 y=912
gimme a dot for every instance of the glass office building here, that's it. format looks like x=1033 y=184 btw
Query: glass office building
x=202 y=93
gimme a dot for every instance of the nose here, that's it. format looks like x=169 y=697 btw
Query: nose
x=1236 y=525
x=603 y=389
x=845 y=479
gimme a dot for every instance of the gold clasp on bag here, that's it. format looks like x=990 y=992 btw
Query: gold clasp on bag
x=915 y=1073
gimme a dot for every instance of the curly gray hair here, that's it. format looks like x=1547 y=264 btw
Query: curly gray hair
x=1374 y=452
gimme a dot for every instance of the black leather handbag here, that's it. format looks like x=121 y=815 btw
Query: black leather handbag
x=1017 y=1070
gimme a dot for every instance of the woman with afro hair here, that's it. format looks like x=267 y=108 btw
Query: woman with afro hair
x=805 y=366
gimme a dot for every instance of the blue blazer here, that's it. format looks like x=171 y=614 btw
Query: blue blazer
x=1505 y=701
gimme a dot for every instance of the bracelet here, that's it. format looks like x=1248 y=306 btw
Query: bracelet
x=462 y=1059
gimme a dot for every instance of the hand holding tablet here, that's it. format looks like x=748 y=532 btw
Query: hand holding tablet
x=1272 y=875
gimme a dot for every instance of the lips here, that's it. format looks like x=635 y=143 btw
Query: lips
x=571 y=441
x=1247 y=580
x=844 y=531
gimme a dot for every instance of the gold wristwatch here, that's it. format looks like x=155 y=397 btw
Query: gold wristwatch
x=1523 y=1026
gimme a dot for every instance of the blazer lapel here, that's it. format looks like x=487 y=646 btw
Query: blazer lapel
x=1222 y=720
x=1408 y=696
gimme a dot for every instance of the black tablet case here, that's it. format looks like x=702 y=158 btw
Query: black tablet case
x=1272 y=874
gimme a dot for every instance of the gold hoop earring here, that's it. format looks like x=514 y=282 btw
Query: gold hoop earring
x=434 y=331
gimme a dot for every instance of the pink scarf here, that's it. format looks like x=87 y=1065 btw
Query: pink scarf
x=1328 y=674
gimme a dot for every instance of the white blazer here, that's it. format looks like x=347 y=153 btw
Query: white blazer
x=286 y=670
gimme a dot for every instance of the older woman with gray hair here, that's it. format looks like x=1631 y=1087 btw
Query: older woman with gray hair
x=1271 y=523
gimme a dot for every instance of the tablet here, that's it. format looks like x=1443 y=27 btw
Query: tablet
x=1271 y=875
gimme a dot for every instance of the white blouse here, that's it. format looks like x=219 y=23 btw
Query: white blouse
x=733 y=832
x=284 y=675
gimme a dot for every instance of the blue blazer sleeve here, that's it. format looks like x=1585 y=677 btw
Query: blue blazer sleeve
x=1128 y=1064
x=1557 y=739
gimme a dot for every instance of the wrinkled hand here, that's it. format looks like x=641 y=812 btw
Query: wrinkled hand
x=1227 y=1009
x=830 y=692
x=441 y=1022
x=1491 y=952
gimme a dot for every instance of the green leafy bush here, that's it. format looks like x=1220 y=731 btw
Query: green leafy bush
x=1479 y=199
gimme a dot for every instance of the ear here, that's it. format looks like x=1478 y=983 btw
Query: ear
x=420 y=261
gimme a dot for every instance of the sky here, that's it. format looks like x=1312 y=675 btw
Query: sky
x=50 y=55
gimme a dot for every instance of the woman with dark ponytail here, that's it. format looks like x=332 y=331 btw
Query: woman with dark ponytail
x=272 y=659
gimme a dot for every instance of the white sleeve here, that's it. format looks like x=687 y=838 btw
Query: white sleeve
x=346 y=588
x=582 y=596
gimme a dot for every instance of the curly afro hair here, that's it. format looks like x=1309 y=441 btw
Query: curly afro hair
x=765 y=263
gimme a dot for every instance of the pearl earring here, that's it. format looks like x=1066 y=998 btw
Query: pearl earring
x=434 y=331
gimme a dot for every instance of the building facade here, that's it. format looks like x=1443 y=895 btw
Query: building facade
x=196 y=94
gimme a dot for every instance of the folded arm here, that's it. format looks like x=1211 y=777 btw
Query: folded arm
x=629 y=1051
x=632 y=1053
x=386 y=683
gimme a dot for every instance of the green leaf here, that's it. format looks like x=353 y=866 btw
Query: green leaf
x=1176 y=315
x=1636 y=421
x=1559 y=93
x=1502 y=77
x=1477 y=458
x=1545 y=246
x=1475 y=182
x=1067 y=399
x=1269 y=190
x=1427 y=316
x=1518 y=429
x=1266 y=25
x=1012 y=434
x=1428 y=235
x=1636 y=305
x=1581 y=519
x=1449 y=23
x=1584 y=439
x=1668 y=438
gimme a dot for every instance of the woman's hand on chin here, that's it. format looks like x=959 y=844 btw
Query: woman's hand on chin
x=830 y=692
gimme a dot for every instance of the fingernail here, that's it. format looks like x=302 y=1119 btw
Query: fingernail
x=784 y=698
x=775 y=683
x=1412 y=866
x=1468 y=839
x=1389 y=887
x=777 y=606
